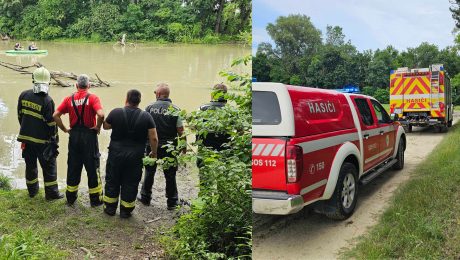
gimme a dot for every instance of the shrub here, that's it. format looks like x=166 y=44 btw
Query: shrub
x=175 y=32
x=211 y=39
x=295 y=80
x=51 y=32
x=369 y=91
x=5 y=183
x=220 y=222
x=382 y=95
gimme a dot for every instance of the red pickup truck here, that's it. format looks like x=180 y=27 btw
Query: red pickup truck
x=315 y=145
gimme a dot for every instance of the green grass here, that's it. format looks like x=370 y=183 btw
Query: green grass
x=23 y=228
x=33 y=228
x=423 y=220
x=5 y=183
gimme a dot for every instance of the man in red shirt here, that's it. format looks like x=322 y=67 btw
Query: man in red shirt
x=83 y=107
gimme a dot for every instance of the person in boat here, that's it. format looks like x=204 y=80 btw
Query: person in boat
x=17 y=46
x=33 y=47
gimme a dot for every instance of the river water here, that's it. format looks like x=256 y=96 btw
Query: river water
x=191 y=71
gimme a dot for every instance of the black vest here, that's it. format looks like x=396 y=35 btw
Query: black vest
x=166 y=124
x=214 y=140
x=212 y=105
x=32 y=110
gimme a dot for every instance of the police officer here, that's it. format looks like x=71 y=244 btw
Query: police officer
x=38 y=133
x=215 y=141
x=169 y=128
x=131 y=128
x=83 y=107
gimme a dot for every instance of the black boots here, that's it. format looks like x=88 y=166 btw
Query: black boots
x=54 y=196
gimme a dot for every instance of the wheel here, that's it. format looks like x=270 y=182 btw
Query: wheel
x=442 y=128
x=449 y=124
x=343 y=201
x=399 y=156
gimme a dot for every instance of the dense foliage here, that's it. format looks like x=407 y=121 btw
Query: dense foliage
x=302 y=57
x=219 y=225
x=106 y=20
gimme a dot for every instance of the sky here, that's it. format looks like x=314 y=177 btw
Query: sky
x=367 y=24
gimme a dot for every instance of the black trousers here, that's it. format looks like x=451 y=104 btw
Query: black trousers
x=170 y=176
x=123 y=174
x=83 y=151
x=31 y=153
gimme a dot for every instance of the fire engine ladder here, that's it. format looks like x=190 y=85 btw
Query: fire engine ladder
x=435 y=88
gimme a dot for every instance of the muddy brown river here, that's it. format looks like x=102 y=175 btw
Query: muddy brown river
x=191 y=71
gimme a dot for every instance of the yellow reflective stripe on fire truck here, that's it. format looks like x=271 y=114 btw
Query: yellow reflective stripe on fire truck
x=110 y=200
x=32 y=139
x=51 y=183
x=128 y=204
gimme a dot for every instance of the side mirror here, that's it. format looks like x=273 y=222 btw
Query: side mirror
x=394 y=117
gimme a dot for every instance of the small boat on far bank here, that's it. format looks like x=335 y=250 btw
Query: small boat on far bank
x=26 y=52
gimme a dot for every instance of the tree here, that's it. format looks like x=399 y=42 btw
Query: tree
x=295 y=37
x=455 y=9
x=378 y=74
x=334 y=35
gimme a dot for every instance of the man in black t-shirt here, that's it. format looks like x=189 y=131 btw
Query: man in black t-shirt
x=131 y=128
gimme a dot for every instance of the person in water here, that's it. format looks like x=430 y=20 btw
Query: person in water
x=17 y=46
x=33 y=47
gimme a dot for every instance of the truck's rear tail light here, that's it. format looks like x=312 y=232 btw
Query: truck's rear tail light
x=294 y=163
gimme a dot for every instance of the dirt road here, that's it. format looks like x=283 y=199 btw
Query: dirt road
x=308 y=235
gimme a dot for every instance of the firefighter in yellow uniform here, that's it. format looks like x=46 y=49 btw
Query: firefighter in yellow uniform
x=38 y=135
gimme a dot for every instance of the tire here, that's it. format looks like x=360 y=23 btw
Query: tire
x=442 y=129
x=343 y=201
x=399 y=156
x=449 y=124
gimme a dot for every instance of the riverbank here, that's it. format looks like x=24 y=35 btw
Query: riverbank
x=423 y=218
x=243 y=39
x=36 y=227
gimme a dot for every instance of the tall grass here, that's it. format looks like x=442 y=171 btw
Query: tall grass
x=5 y=183
x=25 y=244
x=423 y=220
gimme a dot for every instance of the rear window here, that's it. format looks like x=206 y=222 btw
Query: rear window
x=265 y=108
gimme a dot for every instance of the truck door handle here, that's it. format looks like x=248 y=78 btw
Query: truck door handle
x=381 y=132
x=366 y=136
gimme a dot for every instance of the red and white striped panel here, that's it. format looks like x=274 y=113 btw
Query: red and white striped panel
x=274 y=150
